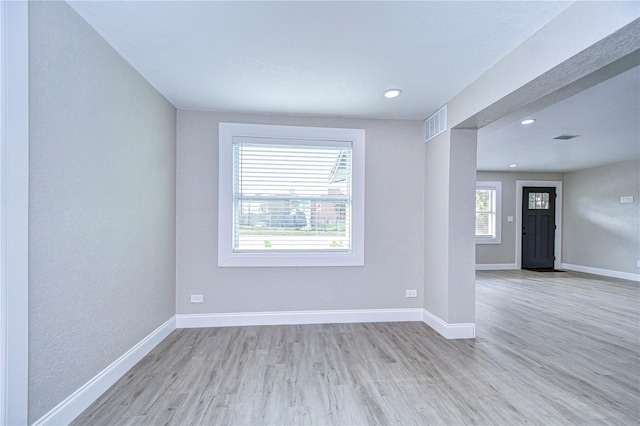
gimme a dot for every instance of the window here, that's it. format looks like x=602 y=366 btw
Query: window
x=538 y=201
x=290 y=196
x=488 y=206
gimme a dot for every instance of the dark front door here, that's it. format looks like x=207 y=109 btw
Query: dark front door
x=538 y=227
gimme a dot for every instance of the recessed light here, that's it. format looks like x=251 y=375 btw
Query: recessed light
x=528 y=121
x=513 y=165
x=392 y=93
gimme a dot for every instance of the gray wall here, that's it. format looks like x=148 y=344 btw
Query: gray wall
x=505 y=253
x=393 y=235
x=436 y=222
x=599 y=232
x=462 y=187
x=101 y=206
x=449 y=278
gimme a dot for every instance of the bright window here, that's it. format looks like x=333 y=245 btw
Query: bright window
x=290 y=196
x=488 y=205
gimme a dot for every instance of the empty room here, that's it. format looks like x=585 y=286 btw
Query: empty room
x=320 y=212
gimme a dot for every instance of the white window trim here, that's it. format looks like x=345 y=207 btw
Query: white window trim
x=497 y=186
x=228 y=258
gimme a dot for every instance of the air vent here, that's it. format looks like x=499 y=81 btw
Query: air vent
x=565 y=137
x=436 y=124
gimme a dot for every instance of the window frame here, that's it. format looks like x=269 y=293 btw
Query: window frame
x=497 y=187
x=227 y=257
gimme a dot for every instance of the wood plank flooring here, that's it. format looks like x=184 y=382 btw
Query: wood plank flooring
x=551 y=348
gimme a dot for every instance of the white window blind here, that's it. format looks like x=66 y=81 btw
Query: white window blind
x=291 y=195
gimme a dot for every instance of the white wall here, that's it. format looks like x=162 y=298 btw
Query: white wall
x=14 y=212
x=393 y=226
x=505 y=253
x=101 y=206
x=599 y=231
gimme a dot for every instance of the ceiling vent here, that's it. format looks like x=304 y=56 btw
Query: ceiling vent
x=436 y=124
x=565 y=137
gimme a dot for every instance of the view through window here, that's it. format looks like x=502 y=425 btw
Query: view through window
x=291 y=197
x=488 y=196
x=485 y=212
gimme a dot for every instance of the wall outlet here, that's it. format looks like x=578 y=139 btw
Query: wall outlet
x=509 y=218
x=638 y=263
x=412 y=293
x=626 y=200
x=197 y=298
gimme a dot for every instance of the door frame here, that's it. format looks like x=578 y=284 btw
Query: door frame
x=520 y=184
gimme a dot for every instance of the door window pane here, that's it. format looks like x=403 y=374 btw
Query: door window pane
x=539 y=201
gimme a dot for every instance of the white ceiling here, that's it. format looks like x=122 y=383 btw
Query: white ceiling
x=337 y=58
x=315 y=57
x=606 y=116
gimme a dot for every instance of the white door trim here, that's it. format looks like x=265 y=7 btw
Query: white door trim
x=14 y=211
x=558 y=235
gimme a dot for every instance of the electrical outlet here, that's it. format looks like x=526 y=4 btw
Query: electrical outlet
x=197 y=298
x=638 y=263
x=412 y=293
x=626 y=200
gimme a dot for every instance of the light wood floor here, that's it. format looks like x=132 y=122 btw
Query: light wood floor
x=551 y=348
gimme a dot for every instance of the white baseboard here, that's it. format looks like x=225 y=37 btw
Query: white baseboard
x=449 y=331
x=599 y=271
x=65 y=412
x=495 y=266
x=297 y=317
